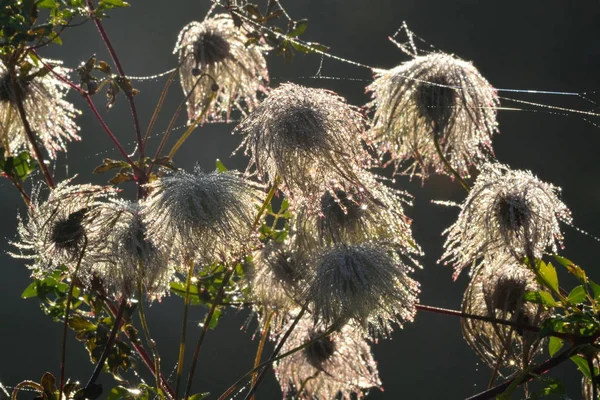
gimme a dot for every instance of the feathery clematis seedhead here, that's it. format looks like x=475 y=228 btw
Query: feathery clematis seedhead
x=309 y=138
x=506 y=211
x=367 y=284
x=201 y=216
x=127 y=258
x=497 y=290
x=340 y=364
x=56 y=231
x=50 y=116
x=218 y=71
x=437 y=96
x=353 y=215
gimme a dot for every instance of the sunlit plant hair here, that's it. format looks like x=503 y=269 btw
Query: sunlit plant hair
x=202 y=216
x=127 y=259
x=309 y=138
x=497 y=290
x=352 y=215
x=433 y=97
x=506 y=211
x=55 y=231
x=368 y=284
x=50 y=116
x=340 y=364
x=219 y=71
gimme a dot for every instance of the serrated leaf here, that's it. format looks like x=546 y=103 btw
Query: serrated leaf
x=548 y=275
x=120 y=178
x=554 y=345
x=109 y=164
x=541 y=297
x=577 y=295
x=582 y=365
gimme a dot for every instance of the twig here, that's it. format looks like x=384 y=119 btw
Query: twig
x=261 y=345
x=149 y=340
x=63 y=355
x=205 y=327
x=186 y=306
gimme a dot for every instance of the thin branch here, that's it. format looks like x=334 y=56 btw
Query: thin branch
x=186 y=306
x=115 y=58
x=63 y=354
x=519 y=380
x=205 y=327
x=261 y=345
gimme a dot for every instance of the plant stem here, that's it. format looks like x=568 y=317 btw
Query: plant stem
x=263 y=372
x=16 y=90
x=272 y=359
x=149 y=340
x=266 y=203
x=459 y=178
x=143 y=353
x=186 y=305
x=261 y=345
x=205 y=327
x=109 y=344
x=539 y=370
x=63 y=354
x=159 y=105
x=115 y=58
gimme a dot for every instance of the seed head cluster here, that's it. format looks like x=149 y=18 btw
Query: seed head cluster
x=204 y=217
x=506 y=211
x=218 y=71
x=50 y=116
x=497 y=290
x=309 y=138
x=434 y=97
x=336 y=366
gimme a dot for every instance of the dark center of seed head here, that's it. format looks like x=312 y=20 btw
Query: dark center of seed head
x=318 y=352
x=508 y=295
x=68 y=233
x=511 y=212
x=284 y=267
x=436 y=100
x=339 y=208
x=211 y=48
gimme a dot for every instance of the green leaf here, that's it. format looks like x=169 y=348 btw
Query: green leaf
x=299 y=28
x=548 y=274
x=577 y=295
x=107 y=4
x=582 y=365
x=541 y=297
x=31 y=290
x=220 y=166
x=199 y=396
x=554 y=345
x=595 y=289
x=215 y=318
x=108 y=164
x=119 y=393
x=45 y=3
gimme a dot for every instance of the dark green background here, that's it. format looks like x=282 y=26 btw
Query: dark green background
x=551 y=45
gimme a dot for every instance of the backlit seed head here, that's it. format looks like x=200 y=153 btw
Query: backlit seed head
x=309 y=138
x=353 y=215
x=50 y=116
x=218 y=71
x=201 y=216
x=56 y=231
x=127 y=258
x=336 y=366
x=436 y=96
x=497 y=290
x=367 y=284
x=506 y=211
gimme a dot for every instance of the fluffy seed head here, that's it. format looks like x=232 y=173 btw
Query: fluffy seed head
x=50 y=116
x=218 y=70
x=434 y=96
x=367 y=283
x=127 y=257
x=202 y=216
x=353 y=215
x=506 y=211
x=310 y=138
x=56 y=231
x=338 y=365
x=497 y=291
